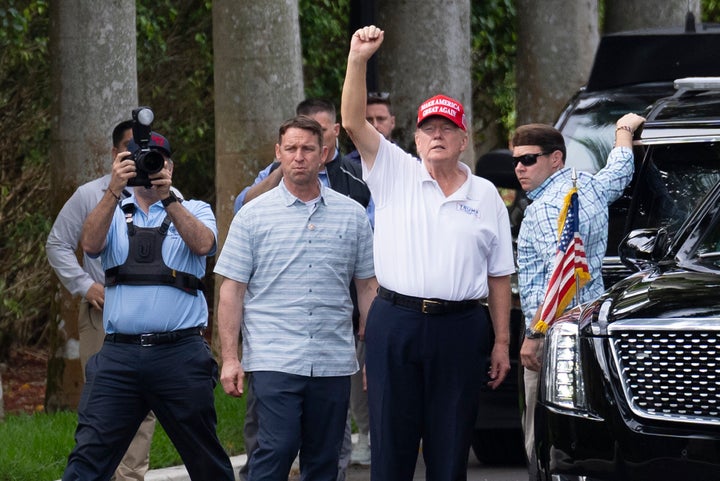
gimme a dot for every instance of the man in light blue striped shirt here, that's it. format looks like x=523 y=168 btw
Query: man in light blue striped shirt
x=288 y=261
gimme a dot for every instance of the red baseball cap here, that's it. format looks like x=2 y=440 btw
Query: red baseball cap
x=442 y=106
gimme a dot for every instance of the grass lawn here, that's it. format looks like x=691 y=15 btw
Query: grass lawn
x=35 y=447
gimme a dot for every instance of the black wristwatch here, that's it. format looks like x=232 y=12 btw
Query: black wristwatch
x=169 y=199
x=531 y=334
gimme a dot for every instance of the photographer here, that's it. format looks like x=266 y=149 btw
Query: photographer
x=87 y=280
x=153 y=249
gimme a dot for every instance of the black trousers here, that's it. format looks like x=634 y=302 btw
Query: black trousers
x=124 y=382
x=298 y=413
x=424 y=373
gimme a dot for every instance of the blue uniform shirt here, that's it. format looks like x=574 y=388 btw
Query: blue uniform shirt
x=140 y=309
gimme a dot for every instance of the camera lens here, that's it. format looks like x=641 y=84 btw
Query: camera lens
x=150 y=162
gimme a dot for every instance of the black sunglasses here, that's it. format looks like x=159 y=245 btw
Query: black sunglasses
x=378 y=95
x=528 y=159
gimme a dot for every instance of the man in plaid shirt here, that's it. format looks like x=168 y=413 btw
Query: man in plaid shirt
x=539 y=160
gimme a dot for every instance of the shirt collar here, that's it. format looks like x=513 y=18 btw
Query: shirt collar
x=463 y=192
x=155 y=211
x=290 y=199
x=538 y=191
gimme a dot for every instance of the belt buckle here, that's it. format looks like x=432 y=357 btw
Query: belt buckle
x=146 y=340
x=427 y=303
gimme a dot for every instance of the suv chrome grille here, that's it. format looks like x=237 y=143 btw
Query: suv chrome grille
x=669 y=372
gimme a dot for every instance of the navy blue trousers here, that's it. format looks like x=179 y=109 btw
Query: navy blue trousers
x=298 y=413
x=424 y=374
x=123 y=383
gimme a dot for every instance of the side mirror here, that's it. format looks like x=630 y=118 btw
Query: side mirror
x=643 y=247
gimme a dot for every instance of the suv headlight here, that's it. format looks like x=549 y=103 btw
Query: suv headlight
x=563 y=382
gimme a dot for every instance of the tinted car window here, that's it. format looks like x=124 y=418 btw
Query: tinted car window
x=708 y=250
x=672 y=180
x=703 y=106
x=590 y=128
x=701 y=244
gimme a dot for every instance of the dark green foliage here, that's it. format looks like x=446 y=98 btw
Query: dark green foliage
x=711 y=11
x=494 y=36
x=24 y=150
x=175 y=78
x=324 y=34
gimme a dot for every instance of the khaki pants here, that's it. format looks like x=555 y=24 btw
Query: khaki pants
x=136 y=461
x=530 y=379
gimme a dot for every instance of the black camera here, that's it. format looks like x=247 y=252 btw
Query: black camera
x=147 y=161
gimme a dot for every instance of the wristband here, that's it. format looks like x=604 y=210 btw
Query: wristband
x=626 y=128
x=117 y=197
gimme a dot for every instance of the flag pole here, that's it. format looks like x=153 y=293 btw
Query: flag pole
x=577 y=277
x=571 y=267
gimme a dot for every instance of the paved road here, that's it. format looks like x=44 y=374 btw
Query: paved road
x=476 y=472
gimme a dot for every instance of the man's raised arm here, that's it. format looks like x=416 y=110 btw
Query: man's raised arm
x=364 y=43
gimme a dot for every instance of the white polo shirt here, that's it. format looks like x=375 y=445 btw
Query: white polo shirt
x=430 y=246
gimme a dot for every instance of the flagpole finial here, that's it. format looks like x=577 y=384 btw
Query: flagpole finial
x=574 y=176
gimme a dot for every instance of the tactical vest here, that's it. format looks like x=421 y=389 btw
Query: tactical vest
x=144 y=265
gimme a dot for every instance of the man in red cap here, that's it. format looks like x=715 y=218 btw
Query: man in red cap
x=442 y=243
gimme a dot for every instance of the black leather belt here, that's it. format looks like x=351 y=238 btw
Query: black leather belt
x=426 y=306
x=154 y=338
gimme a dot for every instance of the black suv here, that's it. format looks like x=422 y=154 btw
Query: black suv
x=630 y=387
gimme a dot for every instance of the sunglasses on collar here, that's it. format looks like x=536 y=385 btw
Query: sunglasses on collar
x=528 y=159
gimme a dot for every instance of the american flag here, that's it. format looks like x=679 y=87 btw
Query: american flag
x=571 y=270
